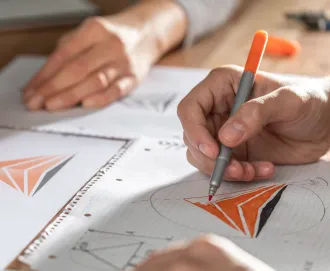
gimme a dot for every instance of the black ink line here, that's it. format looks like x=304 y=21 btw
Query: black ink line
x=327 y=183
x=130 y=235
x=318 y=222
x=133 y=255
x=114 y=247
x=101 y=259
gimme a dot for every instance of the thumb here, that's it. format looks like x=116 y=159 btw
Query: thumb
x=280 y=105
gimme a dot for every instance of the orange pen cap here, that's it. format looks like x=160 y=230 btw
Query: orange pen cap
x=256 y=52
x=277 y=46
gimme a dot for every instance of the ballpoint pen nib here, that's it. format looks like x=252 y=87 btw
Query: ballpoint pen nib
x=210 y=197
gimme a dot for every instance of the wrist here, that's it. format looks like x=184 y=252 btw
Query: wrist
x=162 y=24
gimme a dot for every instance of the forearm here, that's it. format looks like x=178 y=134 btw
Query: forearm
x=204 y=16
x=161 y=23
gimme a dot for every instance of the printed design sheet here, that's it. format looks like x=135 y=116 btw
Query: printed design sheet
x=150 y=110
x=39 y=173
x=160 y=198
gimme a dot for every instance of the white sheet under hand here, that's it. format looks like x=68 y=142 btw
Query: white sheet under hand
x=150 y=110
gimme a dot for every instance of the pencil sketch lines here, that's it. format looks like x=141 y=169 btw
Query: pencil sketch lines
x=100 y=249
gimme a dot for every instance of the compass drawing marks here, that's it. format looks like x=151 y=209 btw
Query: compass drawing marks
x=114 y=251
x=282 y=212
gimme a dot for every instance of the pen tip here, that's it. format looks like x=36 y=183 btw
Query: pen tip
x=210 y=197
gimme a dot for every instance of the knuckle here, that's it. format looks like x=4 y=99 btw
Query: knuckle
x=254 y=109
x=296 y=98
x=226 y=69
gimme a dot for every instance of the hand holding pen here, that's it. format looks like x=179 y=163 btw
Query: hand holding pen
x=276 y=126
x=243 y=93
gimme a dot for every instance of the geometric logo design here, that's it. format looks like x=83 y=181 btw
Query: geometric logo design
x=29 y=175
x=156 y=103
x=246 y=212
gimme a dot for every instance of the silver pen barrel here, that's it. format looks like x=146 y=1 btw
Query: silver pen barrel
x=243 y=94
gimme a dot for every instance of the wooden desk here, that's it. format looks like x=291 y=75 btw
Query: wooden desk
x=228 y=45
x=231 y=45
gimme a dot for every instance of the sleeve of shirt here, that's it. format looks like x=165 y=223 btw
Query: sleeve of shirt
x=204 y=16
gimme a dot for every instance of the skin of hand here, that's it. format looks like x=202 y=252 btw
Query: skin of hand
x=207 y=253
x=106 y=57
x=286 y=121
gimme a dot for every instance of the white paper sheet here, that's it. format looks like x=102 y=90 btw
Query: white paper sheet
x=39 y=173
x=151 y=197
x=149 y=111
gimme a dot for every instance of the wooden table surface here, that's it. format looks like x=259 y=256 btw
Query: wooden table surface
x=229 y=45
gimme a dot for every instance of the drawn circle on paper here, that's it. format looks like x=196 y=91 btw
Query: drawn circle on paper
x=253 y=211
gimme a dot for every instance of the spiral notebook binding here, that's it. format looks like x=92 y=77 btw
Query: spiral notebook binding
x=51 y=227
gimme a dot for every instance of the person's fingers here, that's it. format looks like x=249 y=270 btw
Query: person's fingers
x=278 y=106
x=236 y=170
x=199 y=160
x=212 y=94
x=88 y=34
x=77 y=69
x=120 y=88
x=93 y=84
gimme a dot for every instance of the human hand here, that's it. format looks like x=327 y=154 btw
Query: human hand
x=286 y=121
x=206 y=253
x=106 y=57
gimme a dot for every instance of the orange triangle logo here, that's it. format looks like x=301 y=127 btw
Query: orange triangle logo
x=246 y=212
x=29 y=175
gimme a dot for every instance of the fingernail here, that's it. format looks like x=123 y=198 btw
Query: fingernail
x=89 y=103
x=232 y=131
x=54 y=104
x=35 y=102
x=265 y=170
x=206 y=149
x=28 y=93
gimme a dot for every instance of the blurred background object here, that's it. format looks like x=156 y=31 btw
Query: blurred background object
x=313 y=20
x=22 y=14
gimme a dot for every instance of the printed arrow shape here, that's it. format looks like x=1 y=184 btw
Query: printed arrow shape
x=28 y=175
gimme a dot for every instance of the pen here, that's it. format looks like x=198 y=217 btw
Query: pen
x=244 y=90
